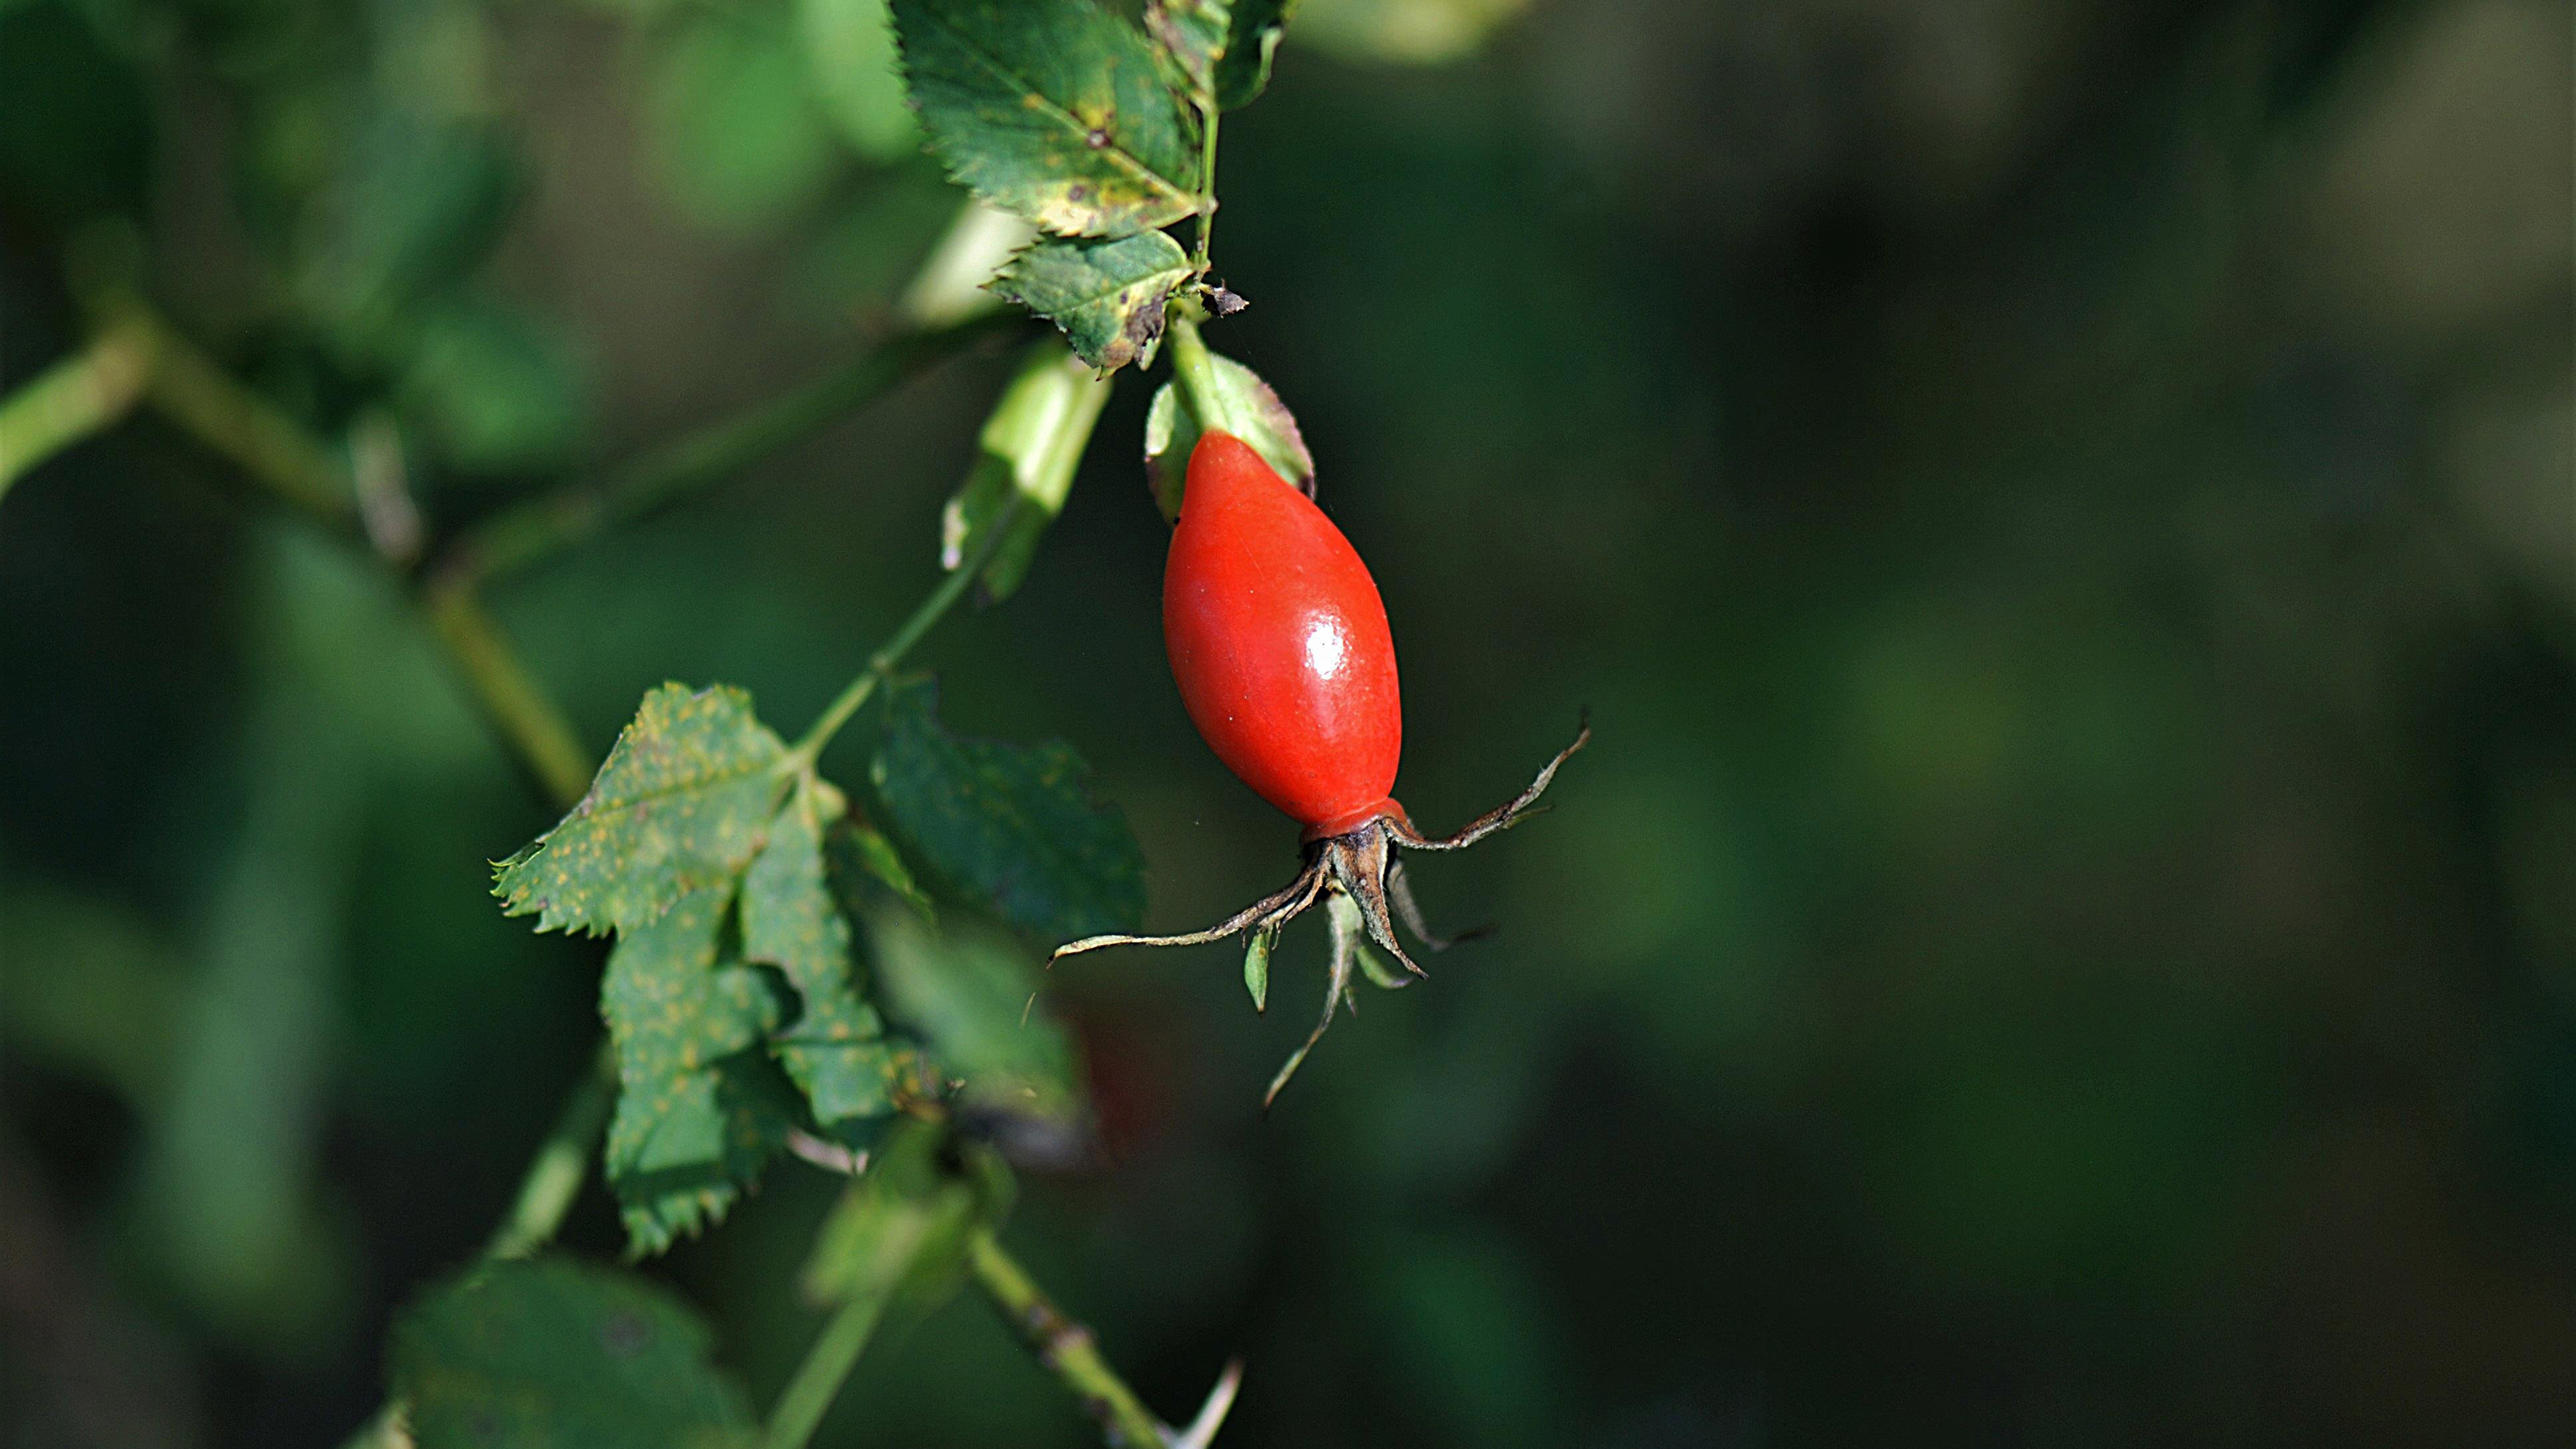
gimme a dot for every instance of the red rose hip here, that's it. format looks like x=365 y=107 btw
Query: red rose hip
x=1279 y=642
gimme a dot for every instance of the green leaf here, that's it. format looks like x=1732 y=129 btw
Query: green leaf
x=546 y=1353
x=681 y=805
x=835 y=1051
x=738 y=138
x=969 y=996
x=497 y=390
x=1241 y=404
x=1055 y=110
x=854 y=853
x=1256 y=965
x=1024 y=467
x=1107 y=296
x=1403 y=32
x=1011 y=826
x=1252 y=33
x=1192 y=33
x=899 y=1232
x=699 y=1107
x=850 y=58
x=413 y=205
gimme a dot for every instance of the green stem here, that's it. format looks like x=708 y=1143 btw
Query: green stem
x=236 y=422
x=555 y=1174
x=1062 y=1345
x=73 y=399
x=1195 y=366
x=809 y=1395
x=1208 y=112
x=881 y=664
x=530 y=723
x=530 y=532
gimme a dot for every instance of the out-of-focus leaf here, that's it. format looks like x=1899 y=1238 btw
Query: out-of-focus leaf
x=699 y=1107
x=89 y=989
x=681 y=805
x=1244 y=406
x=497 y=391
x=899 y=1233
x=1406 y=32
x=835 y=1050
x=546 y=1353
x=76 y=130
x=856 y=853
x=850 y=55
x=1013 y=827
x=1107 y=296
x=1024 y=466
x=969 y=996
x=950 y=286
x=858 y=261
x=739 y=138
x=414 y=204
x=1056 y=111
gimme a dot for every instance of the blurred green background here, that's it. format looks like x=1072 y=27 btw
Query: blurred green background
x=2061 y=510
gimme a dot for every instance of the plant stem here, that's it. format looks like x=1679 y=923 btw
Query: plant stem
x=881 y=664
x=809 y=1395
x=555 y=1174
x=1062 y=1345
x=530 y=532
x=233 y=420
x=78 y=396
x=1208 y=112
x=1195 y=366
x=528 y=720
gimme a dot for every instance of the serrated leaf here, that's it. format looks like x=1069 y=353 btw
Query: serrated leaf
x=546 y=1353
x=1107 y=296
x=898 y=1234
x=969 y=995
x=1244 y=405
x=1011 y=826
x=681 y=805
x=1024 y=466
x=1054 y=110
x=835 y=1050
x=849 y=53
x=699 y=1107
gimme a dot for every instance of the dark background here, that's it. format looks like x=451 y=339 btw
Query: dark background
x=2061 y=512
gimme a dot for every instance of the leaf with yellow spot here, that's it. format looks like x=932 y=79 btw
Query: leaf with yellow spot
x=1056 y=111
x=682 y=804
x=835 y=1049
x=700 y=1107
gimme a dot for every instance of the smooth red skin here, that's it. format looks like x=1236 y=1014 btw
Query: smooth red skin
x=1279 y=643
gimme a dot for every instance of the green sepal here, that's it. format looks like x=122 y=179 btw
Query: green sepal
x=1256 y=965
x=1215 y=391
x=1026 y=458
